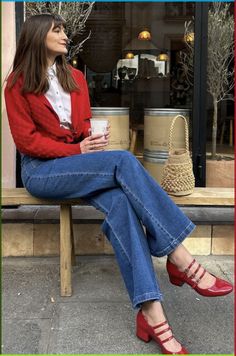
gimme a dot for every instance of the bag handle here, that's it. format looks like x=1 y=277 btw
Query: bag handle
x=185 y=129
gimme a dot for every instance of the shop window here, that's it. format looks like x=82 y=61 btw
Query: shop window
x=133 y=59
x=220 y=105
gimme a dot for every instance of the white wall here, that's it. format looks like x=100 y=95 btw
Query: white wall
x=8 y=51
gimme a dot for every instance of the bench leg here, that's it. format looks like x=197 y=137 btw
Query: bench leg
x=73 y=257
x=65 y=250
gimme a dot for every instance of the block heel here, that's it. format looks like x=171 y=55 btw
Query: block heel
x=178 y=278
x=145 y=332
x=176 y=281
x=143 y=335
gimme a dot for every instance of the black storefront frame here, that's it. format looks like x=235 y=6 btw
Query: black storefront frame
x=199 y=122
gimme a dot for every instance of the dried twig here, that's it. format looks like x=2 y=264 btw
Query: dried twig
x=220 y=68
x=75 y=15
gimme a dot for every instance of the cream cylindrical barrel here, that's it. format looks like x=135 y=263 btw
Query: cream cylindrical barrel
x=157 y=128
x=119 y=125
x=156 y=137
x=154 y=163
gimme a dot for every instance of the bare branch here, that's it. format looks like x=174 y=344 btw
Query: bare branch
x=220 y=68
x=77 y=48
x=75 y=15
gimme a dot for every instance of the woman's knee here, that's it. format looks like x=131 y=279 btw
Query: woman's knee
x=128 y=158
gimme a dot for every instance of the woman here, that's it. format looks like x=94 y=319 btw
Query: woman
x=48 y=110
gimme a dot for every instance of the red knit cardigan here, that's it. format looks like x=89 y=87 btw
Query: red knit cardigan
x=35 y=126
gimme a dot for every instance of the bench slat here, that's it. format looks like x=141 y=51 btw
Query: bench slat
x=200 y=196
x=208 y=196
x=20 y=196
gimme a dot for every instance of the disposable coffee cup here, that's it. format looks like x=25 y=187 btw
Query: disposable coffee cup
x=98 y=126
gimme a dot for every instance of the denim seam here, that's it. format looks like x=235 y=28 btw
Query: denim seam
x=147 y=294
x=96 y=205
x=145 y=297
x=71 y=174
x=176 y=241
x=183 y=232
x=140 y=203
x=106 y=211
x=107 y=221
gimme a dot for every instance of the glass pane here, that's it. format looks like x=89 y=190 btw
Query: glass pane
x=132 y=56
x=220 y=124
x=133 y=60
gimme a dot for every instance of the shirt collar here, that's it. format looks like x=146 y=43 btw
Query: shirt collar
x=53 y=69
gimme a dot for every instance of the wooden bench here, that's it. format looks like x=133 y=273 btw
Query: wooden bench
x=19 y=196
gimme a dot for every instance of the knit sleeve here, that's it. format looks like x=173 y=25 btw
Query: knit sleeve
x=27 y=138
x=85 y=110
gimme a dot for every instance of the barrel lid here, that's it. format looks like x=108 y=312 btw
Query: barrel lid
x=110 y=111
x=166 y=111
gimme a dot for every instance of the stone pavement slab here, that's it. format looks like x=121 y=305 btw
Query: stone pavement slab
x=98 y=318
x=25 y=336
x=27 y=289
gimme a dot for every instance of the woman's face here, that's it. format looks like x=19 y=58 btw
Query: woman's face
x=56 y=41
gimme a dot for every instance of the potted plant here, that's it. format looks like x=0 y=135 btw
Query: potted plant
x=220 y=78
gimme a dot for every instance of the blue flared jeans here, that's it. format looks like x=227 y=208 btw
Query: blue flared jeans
x=140 y=219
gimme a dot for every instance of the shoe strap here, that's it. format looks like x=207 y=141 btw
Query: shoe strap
x=203 y=273
x=159 y=325
x=188 y=268
x=163 y=331
x=193 y=275
x=168 y=339
x=195 y=272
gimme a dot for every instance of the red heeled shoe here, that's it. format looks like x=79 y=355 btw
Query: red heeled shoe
x=178 y=278
x=146 y=332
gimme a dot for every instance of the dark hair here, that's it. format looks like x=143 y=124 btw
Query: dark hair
x=31 y=56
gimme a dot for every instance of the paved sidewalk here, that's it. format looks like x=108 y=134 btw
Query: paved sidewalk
x=98 y=318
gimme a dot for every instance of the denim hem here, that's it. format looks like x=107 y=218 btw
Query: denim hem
x=137 y=301
x=176 y=242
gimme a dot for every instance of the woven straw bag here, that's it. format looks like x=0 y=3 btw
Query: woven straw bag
x=177 y=175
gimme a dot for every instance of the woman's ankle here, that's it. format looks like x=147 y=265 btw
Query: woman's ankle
x=153 y=312
x=180 y=257
x=154 y=315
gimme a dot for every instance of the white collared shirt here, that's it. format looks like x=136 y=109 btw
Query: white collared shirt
x=58 y=98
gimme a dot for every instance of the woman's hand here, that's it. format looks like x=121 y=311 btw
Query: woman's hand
x=95 y=143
